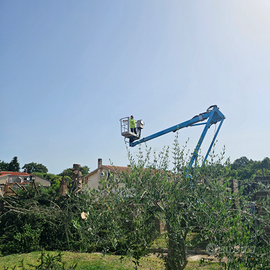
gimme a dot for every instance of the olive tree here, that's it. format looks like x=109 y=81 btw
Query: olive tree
x=199 y=200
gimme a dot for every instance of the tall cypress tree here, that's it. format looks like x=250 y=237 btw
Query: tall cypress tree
x=14 y=165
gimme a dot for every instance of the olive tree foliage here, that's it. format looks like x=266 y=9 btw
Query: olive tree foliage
x=38 y=218
x=198 y=201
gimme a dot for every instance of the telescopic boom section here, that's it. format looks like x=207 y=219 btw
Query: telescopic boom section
x=212 y=116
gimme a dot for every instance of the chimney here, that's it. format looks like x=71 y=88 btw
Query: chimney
x=99 y=162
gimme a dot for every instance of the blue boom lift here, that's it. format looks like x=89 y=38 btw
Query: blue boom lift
x=212 y=116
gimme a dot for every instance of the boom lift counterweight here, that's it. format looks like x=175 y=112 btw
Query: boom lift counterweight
x=212 y=116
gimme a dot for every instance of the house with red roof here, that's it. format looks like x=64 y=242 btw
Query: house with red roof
x=9 y=177
x=22 y=178
x=93 y=178
x=13 y=177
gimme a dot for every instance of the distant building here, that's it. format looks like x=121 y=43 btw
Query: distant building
x=22 y=178
x=93 y=178
x=44 y=182
x=14 y=177
x=8 y=177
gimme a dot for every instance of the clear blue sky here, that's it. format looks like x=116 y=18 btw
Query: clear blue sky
x=69 y=70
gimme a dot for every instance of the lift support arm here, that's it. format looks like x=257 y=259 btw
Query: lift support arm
x=212 y=115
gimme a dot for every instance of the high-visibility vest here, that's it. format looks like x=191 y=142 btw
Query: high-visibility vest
x=132 y=123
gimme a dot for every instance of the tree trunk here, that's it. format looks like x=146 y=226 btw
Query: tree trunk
x=177 y=257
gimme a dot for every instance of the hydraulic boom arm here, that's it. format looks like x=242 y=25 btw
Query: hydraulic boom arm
x=208 y=118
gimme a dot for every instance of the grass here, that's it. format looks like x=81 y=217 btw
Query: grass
x=96 y=261
x=87 y=261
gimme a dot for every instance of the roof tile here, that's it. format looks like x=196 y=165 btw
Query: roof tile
x=14 y=173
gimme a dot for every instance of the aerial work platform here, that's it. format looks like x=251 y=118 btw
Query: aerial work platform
x=211 y=116
x=126 y=130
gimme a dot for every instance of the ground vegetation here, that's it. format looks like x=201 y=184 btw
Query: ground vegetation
x=120 y=217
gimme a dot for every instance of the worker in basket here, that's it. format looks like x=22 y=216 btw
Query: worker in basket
x=132 y=124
